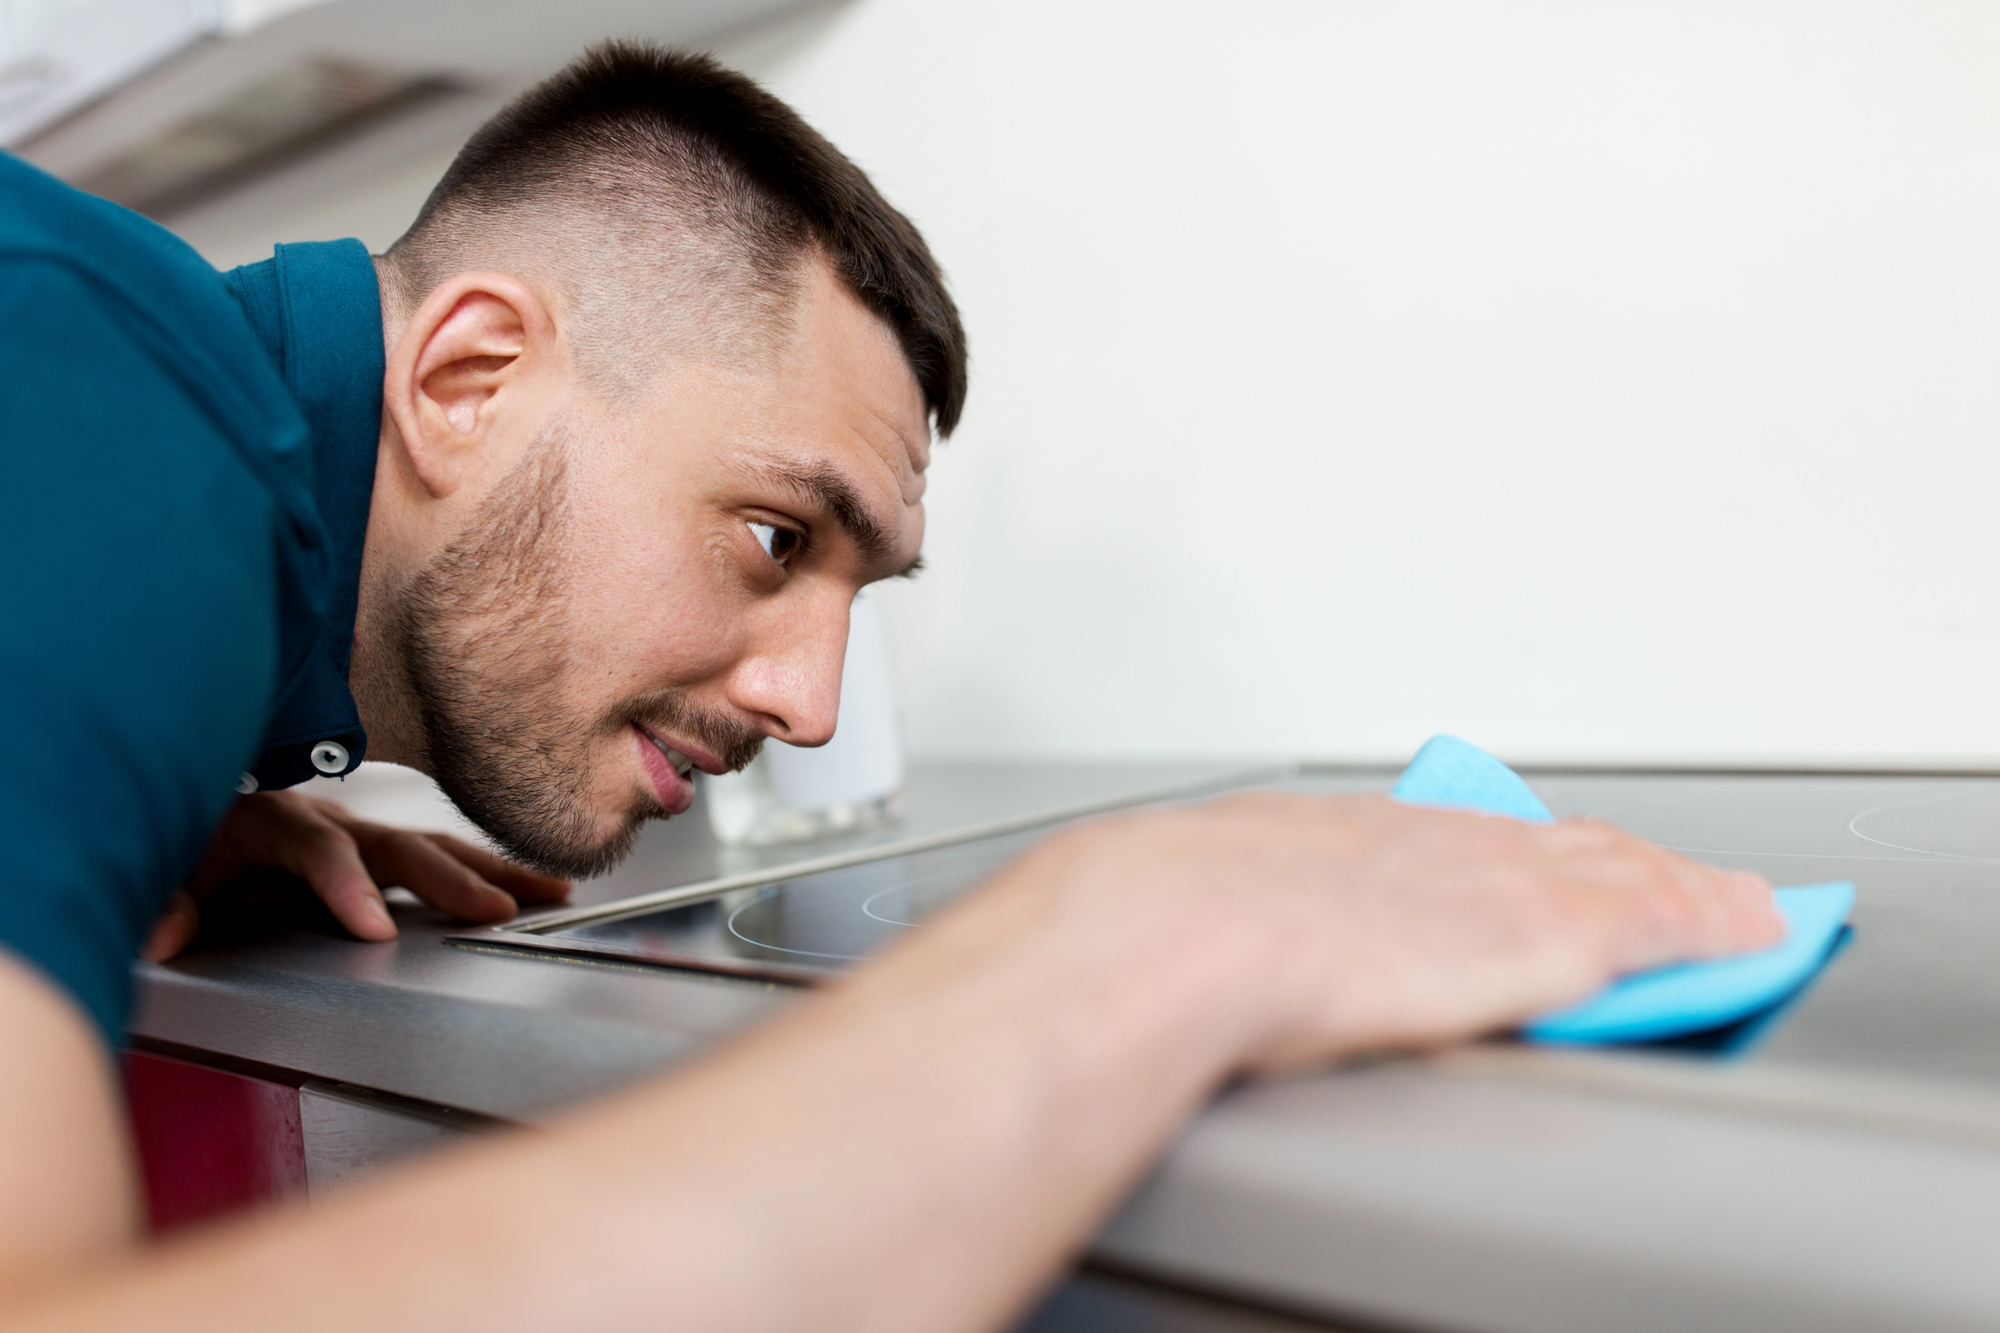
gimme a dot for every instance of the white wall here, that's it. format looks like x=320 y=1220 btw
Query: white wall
x=1592 y=380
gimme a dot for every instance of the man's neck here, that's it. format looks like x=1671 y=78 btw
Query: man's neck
x=376 y=675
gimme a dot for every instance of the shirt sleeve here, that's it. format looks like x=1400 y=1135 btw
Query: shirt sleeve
x=139 y=568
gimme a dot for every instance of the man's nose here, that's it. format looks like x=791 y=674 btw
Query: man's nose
x=793 y=683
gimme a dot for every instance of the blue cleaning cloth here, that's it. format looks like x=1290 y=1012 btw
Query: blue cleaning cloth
x=1666 y=1002
x=1452 y=775
x=1694 y=997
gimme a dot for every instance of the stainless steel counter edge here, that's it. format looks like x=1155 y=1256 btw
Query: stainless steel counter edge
x=1345 y=1194
x=497 y=1057
x=1404 y=1193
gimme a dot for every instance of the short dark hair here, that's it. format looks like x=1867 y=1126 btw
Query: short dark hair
x=628 y=118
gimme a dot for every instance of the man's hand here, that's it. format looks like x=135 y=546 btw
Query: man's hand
x=1325 y=928
x=348 y=862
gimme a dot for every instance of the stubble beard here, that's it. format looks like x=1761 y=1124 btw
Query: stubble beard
x=482 y=637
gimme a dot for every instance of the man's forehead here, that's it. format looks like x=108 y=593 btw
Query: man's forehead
x=843 y=427
x=854 y=357
x=828 y=373
x=907 y=450
x=830 y=411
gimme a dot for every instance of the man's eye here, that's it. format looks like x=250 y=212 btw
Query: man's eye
x=781 y=544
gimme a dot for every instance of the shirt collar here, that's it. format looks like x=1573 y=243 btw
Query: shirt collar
x=317 y=308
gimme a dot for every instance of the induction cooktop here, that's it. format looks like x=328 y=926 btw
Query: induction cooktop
x=1916 y=991
x=795 y=928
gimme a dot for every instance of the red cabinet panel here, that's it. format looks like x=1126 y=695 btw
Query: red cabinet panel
x=211 y=1142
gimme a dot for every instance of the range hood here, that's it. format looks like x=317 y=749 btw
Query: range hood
x=148 y=100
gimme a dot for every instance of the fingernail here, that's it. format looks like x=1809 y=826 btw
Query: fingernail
x=379 y=915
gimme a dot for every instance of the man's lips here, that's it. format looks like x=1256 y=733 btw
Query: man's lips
x=682 y=755
x=668 y=771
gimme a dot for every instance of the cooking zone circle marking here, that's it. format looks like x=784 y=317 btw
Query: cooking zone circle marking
x=1884 y=812
x=872 y=907
x=1643 y=817
x=770 y=891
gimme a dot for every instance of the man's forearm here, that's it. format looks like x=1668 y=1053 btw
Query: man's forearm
x=978 y=1098
x=921 y=1143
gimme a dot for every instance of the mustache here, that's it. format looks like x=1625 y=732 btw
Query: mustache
x=732 y=742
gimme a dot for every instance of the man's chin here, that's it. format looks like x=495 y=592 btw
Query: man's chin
x=561 y=842
x=573 y=860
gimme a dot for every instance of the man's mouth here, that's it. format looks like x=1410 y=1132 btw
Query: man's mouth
x=683 y=760
x=681 y=763
x=671 y=769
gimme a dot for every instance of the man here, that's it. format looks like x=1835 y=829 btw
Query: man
x=567 y=494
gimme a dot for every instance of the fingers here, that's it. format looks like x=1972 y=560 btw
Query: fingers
x=1623 y=902
x=403 y=858
x=1732 y=911
x=526 y=885
x=174 y=930
x=325 y=855
x=348 y=862
x=1664 y=907
x=298 y=834
x=415 y=861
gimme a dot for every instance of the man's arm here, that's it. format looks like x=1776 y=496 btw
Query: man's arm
x=68 y=1185
x=920 y=1146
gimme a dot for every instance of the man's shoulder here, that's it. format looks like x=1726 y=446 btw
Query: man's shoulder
x=80 y=254
x=46 y=221
x=83 y=272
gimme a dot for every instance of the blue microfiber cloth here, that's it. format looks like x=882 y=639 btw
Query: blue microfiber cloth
x=1453 y=775
x=1669 y=1001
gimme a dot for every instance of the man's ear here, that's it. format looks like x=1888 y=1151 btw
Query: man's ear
x=479 y=349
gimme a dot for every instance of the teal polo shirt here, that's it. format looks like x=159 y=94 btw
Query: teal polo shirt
x=186 y=459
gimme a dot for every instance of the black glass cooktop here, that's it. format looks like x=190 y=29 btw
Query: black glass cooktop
x=1916 y=991
x=795 y=929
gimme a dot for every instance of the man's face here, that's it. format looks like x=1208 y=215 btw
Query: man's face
x=661 y=586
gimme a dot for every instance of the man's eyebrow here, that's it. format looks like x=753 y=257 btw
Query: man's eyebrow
x=822 y=485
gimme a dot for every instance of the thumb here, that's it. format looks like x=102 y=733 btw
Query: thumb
x=174 y=930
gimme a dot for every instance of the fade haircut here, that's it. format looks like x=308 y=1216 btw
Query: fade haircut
x=676 y=203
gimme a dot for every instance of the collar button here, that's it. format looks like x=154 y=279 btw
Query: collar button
x=330 y=757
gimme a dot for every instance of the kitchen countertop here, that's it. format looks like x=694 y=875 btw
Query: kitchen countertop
x=1845 y=1176
x=517 y=1038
